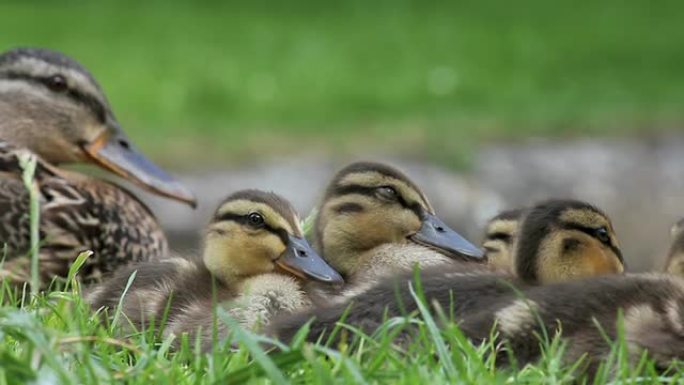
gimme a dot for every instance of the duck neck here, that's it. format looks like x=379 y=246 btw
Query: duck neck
x=223 y=273
x=14 y=123
x=392 y=258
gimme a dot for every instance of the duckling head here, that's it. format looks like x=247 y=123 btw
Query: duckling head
x=499 y=239
x=53 y=106
x=368 y=205
x=675 y=258
x=254 y=232
x=561 y=240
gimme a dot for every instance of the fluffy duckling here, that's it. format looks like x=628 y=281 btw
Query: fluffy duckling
x=52 y=107
x=558 y=240
x=675 y=257
x=374 y=221
x=499 y=240
x=584 y=312
x=254 y=260
x=566 y=239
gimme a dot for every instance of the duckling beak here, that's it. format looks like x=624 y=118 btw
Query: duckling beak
x=114 y=152
x=302 y=261
x=436 y=234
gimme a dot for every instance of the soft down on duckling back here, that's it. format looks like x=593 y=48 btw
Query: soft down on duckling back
x=254 y=263
x=558 y=240
x=589 y=315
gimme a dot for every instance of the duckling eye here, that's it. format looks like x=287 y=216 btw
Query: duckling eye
x=387 y=192
x=57 y=83
x=602 y=235
x=255 y=220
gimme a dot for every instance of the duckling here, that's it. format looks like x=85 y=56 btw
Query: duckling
x=675 y=258
x=374 y=221
x=584 y=312
x=566 y=239
x=558 y=240
x=499 y=239
x=254 y=262
x=53 y=108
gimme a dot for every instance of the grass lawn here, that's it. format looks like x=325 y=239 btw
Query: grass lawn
x=195 y=82
x=56 y=339
x=217 y=80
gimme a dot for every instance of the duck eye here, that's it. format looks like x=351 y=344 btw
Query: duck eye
x=57 y=83
x=387 y=192
x=602 y=235
x=255 y=220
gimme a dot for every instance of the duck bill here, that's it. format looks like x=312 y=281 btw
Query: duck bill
x=302 y=261
x=434 y=233
x=114 y=152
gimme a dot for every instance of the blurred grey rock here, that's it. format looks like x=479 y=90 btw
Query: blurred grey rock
x=639 y=184
x=302 y=180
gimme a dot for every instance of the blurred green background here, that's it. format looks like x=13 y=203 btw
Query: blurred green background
x=197 y=82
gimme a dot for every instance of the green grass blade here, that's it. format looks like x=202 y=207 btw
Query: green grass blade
x=27 y=161
x=433 y=330
x=346 y=362
x=308 y=223
x=77 y=264
x=119 y=306
x=255 y=350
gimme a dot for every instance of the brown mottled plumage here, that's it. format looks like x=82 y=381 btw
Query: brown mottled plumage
x=253 y=262
x=77 y=213
x=52 y=107
x=558 y=240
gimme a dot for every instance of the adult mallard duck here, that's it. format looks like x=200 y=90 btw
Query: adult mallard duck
x=52 y=107
x=254 y=263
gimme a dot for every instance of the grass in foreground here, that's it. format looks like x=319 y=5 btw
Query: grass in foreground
x=55 y=338
x=208 y=79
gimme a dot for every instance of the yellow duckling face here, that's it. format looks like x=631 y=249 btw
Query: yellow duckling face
x=47 y=95
x=255 y=232
x=371 y=204
x=675 y=258
x=499 y=240
x=566 y=239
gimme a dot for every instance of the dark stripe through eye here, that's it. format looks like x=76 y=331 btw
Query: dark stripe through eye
x=499 y=236
x=244 y=220
x=229 y=217
x=348 y=207
x=587 y=230
x=354 y=189
x=372 y=191
x=89 y=101
x=592 y=232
